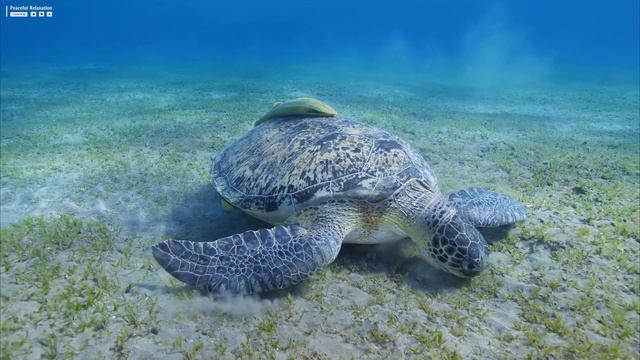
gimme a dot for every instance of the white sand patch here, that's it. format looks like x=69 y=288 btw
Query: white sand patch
x=202 y=306
x=73 y=138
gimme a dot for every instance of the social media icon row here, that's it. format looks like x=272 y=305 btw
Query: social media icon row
x=41 y=14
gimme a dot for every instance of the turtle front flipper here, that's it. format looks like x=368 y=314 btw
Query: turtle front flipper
x=253 y=261
x=485 y=208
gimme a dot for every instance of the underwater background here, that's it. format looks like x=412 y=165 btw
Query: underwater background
x=476 y=40
x=111 y=113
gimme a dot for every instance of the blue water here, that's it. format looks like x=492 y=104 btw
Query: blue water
x=526 y=40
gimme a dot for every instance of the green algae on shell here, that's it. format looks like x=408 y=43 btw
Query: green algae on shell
x=300 y=107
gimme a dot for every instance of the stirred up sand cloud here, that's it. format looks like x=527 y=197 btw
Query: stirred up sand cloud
x=495 y=52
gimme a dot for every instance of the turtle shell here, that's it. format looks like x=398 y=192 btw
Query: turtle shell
x=282 y=166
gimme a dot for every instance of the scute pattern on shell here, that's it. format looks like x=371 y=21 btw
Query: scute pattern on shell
x=291 y=163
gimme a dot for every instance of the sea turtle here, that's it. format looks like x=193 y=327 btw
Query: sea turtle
x=300 y=107
x=323 y=182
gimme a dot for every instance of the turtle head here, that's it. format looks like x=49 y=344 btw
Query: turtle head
x=455 y=245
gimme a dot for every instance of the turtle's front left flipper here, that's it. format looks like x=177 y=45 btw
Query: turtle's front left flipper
x=253 y=261
x=485 y=208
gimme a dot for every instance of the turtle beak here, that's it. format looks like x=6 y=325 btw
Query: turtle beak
x=471 y=268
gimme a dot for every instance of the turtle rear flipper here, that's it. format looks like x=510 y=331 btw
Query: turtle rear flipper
x=226 y=206
x=253 y=261
x=485 y=208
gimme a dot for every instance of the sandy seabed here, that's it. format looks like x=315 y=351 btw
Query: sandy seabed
x=98 y=164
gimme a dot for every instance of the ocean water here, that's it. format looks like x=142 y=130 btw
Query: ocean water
x=111 y=114
x=534 y=40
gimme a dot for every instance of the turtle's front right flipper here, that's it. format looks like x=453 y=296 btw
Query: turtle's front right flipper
x=485 y=208
x=251 y=262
